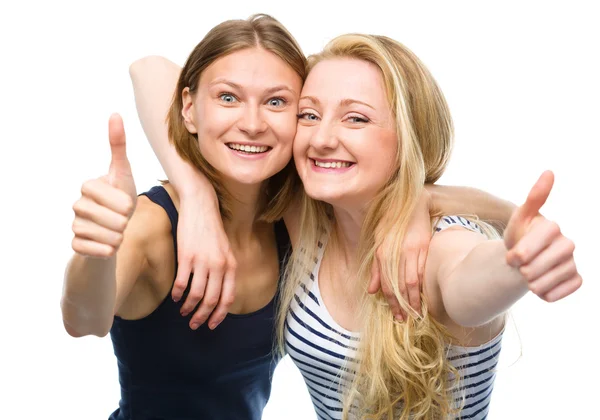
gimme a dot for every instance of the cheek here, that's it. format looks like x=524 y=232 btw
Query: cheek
x=283 y=125
x=380 y=157
x=387 y=157
x=213 y=120
x=301 y=142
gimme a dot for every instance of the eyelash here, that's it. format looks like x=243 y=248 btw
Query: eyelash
x=282 y=100
x=227 y=94
x=361 y=120
x=304 y=114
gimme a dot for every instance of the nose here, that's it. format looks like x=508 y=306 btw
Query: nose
x=252 y=121
x=325 y=137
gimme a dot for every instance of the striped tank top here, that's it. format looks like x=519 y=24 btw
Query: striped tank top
x=325 y=352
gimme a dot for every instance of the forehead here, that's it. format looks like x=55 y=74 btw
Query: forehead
x=252 y=67
x=343 y=78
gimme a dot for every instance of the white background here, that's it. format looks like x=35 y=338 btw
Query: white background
x=522 y=82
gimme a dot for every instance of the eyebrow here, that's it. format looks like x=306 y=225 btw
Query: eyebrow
x=343 y=102
x=239 y=87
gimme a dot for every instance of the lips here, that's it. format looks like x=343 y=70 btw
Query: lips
x=331 y=163
x=247 y=148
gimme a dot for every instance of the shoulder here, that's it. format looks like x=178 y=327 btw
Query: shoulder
x=453 y=239
x=149 y=227
x=445 y=222
x=454 y=234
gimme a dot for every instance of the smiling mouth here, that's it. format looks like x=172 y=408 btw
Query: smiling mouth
x=251 y=150
x=332 y=164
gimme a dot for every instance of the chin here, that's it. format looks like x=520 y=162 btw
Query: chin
x=329 y=195
x=247 y=179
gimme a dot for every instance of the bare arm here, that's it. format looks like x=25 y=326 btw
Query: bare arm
x=475 y=282
x=95 y=288
x=95 y=285
x=203 y=247
x=479 y=279
x=466 y=200
x=154 y=81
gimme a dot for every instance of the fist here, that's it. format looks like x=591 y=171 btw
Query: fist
x=538 y=248
x=106 y=203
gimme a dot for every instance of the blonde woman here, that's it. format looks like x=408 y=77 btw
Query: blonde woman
x=367 y=142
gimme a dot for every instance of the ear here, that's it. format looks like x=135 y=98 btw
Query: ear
x=187 y=111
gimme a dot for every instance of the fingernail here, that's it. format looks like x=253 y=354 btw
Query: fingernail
x=212 y=325
x=176 y=299
x=195 y=325
x=399 y=318
x=184 y=313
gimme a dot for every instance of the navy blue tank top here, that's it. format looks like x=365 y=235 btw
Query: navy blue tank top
x=168 y=371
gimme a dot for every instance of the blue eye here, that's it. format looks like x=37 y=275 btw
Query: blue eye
x=277 y=102
x=307 y=116
x=356 y=119
x=227 y=97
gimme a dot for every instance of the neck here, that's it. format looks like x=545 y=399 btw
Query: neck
x=347 y=228
x=246 y=201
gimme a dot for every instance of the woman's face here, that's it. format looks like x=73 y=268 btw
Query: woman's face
x=244 y=112
x=346 y=142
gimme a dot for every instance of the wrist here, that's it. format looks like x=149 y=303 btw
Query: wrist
x=432 y=197
x=197 y=189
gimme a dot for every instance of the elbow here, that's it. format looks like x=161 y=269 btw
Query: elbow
x=462 y=312
x=141 y=65
x=77 y=324
x=72 y=331
x=77 y=331
x=463 y=318
x=470 y=316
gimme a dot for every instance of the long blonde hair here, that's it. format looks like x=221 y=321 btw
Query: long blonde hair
x=403 y=370
x=258 y=30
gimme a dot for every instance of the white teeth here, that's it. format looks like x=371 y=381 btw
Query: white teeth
x=331 y=164
x=248 y=149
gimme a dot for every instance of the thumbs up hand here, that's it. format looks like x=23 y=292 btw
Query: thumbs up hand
x=538 y=248
x=106 y=203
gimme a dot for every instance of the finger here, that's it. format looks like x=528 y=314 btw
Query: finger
x=375 y=283
x=85 y=229
x=540 y=235
x=389 y=295
x=564 y=289
x=402 y=286
x=554 y=278
x=184 y=269
x=92 y=249
x=210 y=300
x=108 y=196
x=197 y=291
x=537 y=196
x=388 y=292
x=559 y=251
x=412 y=283
x=421 y=264
x=103 y=216
x=119 y=164
x=227 y=299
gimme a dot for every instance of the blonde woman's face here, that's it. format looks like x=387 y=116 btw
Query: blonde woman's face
x=244 y=112
x=346 y=141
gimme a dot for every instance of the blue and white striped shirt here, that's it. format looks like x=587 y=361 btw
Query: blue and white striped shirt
x=325 y=352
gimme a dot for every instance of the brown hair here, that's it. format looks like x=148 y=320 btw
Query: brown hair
x=261 y=31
